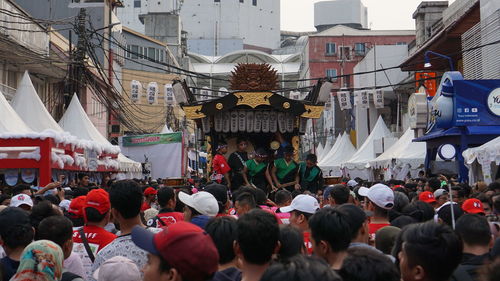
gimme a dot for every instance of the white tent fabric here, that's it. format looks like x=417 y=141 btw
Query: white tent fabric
x=402 y=155
x=31 y=109
x=166 y=130
x=76 y=121
x=319 y=151
x=358 y=165
x=328 y=154
x=331 y=166
x=327 y=147
x=10 y=122
x=485 y=155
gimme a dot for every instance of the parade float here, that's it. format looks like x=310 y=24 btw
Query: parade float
x=253 y=108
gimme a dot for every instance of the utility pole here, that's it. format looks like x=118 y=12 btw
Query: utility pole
x=77 y=58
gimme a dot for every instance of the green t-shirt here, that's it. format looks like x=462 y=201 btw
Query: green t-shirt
x=283 y=170
x=254 y=168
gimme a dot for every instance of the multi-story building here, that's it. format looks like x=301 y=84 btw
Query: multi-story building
x=335 y=52
x=215 y=27
x=143 y=66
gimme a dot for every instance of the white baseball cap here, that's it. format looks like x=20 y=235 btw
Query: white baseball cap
x=203 y=202
x=352 y=183
x=21 y=199
x=302 y=203
x=117 y=268
x=440 y=192
x=380 y=194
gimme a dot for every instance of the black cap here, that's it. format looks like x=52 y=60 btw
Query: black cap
x=13 y=216
x=219 y=191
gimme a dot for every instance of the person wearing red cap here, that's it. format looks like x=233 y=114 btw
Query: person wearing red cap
x=427 y=197
x=75 y=211
x=473 y=206
x=96 y=212
x=183 y=251
x=149 y=198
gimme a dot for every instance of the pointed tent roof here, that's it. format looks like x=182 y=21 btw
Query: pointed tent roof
x=331 y=152
x=404 y=151
x=10 y=122
x=344 y=151
x=319 y=151
x=76 y=121
x=31 y=109
x=328 y=145
x=166 y=130
x=366 y=152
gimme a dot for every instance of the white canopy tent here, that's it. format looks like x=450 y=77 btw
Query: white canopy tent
x=402 y=157
x=166 y=130
x=31 y=109
x=327 y=147
x=76 y=122
x=358 y=165
x=483 y=161
x=319 y=151
x=10 y=122
x=331 y=166
x=328 y=154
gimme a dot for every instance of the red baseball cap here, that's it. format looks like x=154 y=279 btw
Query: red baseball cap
x=150 y=191
x=427 y=197
x=473 y=206
x=76 y=206
x=184 y=246
x=99 y=200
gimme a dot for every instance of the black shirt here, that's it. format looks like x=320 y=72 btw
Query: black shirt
x=9 y=268
x=237 y=166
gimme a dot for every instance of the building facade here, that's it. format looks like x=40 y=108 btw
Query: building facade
x=334 y=53
x=214 y=27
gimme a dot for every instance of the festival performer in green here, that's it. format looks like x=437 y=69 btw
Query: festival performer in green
x=256 y=173
x=310 y=175
x=284 y=172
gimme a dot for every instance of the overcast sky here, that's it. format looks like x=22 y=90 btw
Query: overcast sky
x=298 y=15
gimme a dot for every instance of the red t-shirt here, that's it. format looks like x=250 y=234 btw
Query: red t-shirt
x=169 y=218
x=307 y=242
x=97 y=237
x=373 y=227
x=220 y=164
x=283 y=217
x=145 y=206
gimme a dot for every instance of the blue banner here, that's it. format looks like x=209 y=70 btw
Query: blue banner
x=477 y=103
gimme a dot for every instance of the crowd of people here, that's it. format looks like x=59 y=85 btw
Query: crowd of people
x=429 y=228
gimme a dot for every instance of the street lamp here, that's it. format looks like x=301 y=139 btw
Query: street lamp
x=428 y=62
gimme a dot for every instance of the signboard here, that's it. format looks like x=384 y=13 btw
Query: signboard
x=169 y=94
x=152 y=92
x=418 y=111
x=477 y=103
x=344 y=100
x=426 y=79
x=151 y=139
x=135 y=90
x=378 y=98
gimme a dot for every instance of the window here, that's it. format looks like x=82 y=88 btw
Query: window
x=401 y=43
x=151 y=53
x=345 y=53
x=359 y=49
x=141 y=52
x=217 y=1
x=128 y=54
x=134 y=49
x=137 y=3
x=162 y=56
x=242 y=1
x=332 y=73
x=254 y=2
x=330 y=48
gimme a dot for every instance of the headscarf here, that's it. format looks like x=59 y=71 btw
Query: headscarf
x=41 y=260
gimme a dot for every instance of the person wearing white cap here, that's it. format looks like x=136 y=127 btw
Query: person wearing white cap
x=380 y=201
x=117 y=268
x=200 y=207
x=301 y=209
x=441 y=196
x=22 y=201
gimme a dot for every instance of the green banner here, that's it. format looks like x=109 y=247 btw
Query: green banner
x=143 y=140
